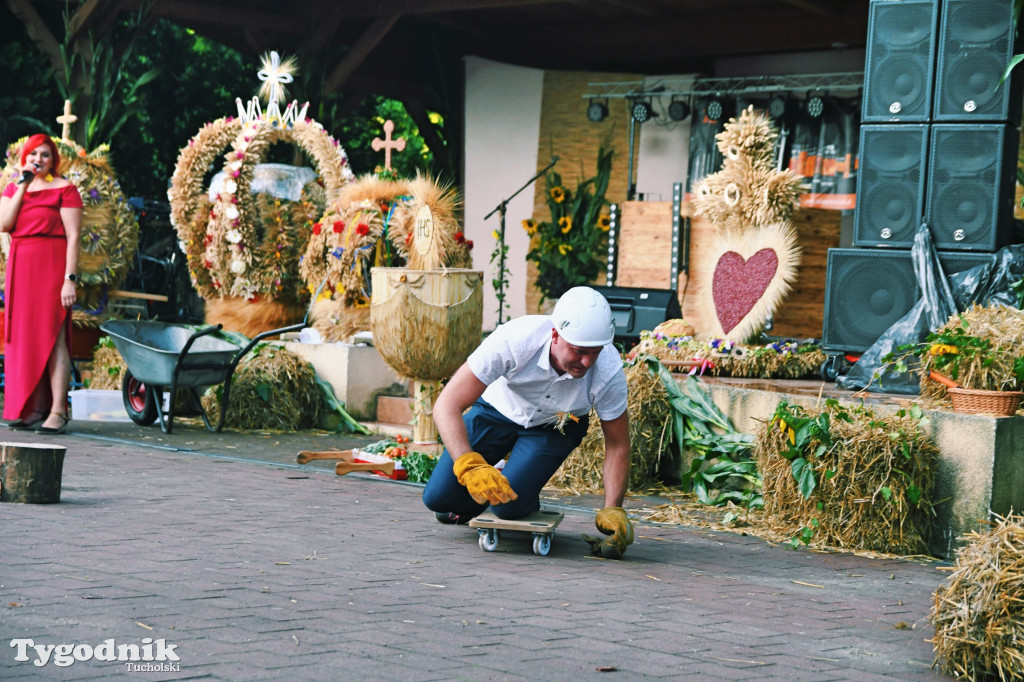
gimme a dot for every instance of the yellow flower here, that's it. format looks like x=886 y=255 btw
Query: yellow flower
x=495 y=234
x=943 y=349
x=558 y=194
x=565 y=222
x=604 y=223
x=564 y=248
x=530 y=226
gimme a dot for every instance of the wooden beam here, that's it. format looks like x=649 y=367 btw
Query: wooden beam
x=84 y=18
x=352 y=60
x=362 y=8
x=676 y=38
x=215 y=13
x=39 y=34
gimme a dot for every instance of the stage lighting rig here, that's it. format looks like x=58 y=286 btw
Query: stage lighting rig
x=642 y=111
x=597 y=111
x=815 y=106
x=678 y=110
x=714 y=109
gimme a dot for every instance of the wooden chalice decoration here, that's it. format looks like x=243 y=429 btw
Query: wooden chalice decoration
x=426 y=322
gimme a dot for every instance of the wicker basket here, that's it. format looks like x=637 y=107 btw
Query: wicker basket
x=974 y=401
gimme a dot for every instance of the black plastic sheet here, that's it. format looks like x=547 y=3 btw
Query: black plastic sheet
x=985 y=284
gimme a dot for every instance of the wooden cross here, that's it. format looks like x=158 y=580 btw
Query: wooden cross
x=387 y=144
x=66 y=120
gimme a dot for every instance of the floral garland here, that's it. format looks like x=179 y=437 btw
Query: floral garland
x=109 y=233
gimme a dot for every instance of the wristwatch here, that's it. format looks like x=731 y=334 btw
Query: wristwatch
x=71 y=277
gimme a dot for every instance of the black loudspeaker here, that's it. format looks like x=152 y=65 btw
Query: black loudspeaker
x=636 y=309
x=976 y=42
x=867 y=290
x=971 y=184
x=890 y=184
x=900 y=64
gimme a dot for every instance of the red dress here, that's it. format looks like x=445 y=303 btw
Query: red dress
x=33 y=312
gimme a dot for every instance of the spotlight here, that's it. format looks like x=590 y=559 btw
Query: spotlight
x=677 y=110
x=642 y=111
x=777 y=107
x=597 y=111
x=815 y=106
x=713 y=110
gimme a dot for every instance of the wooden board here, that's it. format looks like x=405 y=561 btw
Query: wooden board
x=645 y=260
x=542 y=521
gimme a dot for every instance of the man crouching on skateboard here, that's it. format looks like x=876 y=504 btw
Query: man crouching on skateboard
x=529 y=389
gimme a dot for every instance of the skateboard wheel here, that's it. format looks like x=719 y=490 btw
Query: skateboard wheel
x=488 y=539
x=541 y=544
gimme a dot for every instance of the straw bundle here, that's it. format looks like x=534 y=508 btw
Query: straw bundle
x=779 y=360
x=1003 y=328
x=649 y=424
x=872 y=486
x=426 y=323
x=272 y=388
x=978 y=614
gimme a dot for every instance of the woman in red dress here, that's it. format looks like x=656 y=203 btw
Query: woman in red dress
x=43 y=214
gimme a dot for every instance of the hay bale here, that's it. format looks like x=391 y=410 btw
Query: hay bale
x=874 y=477
x=649 y=428
x=978 y=614
x=272 y=389
x=108 y=368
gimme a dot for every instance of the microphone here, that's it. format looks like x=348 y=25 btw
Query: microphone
x=26 y=176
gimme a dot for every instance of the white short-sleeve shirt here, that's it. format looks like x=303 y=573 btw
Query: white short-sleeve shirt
x=515 y=363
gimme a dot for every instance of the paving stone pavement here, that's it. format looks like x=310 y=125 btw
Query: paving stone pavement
x=253 y=568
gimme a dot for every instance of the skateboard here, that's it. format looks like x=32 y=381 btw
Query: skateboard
x=541 y=523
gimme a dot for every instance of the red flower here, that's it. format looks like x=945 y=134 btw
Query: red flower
x=316 y=228
x=363 y=229
x=469 y=244
x=460 y=238
x=383 y=208
x=338 y=226
x=408 y=239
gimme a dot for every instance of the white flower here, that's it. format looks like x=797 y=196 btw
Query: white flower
x=182 y=246
x=232 y=212
x=235 y=165
x=230 y=186
x=366 y=203
x=233 y=236
x=237 y=266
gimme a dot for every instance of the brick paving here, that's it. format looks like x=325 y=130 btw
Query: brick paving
x=257 y=569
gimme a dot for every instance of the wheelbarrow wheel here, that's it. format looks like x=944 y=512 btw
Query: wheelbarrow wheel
x=139 y=400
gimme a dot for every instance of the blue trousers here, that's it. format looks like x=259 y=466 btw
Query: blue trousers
x=534 y=456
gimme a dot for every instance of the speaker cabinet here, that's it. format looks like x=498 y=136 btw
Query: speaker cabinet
x=900 y=63
x=636 y=309
x=867 y=290
x=971 y=177
x=976 y=42
x=890 y=184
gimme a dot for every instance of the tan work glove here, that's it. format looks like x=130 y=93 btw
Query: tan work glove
x=613 y=522
x=484 y=482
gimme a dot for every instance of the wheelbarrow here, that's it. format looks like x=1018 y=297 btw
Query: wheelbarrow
x=162 y=355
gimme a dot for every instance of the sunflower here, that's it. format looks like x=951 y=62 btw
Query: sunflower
x=565 y=222
x=530 y=226
x=564 y=248
x=943 y=349
x=558 y=194
x=604 y=223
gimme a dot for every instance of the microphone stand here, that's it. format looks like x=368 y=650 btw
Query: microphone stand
x=500 y=210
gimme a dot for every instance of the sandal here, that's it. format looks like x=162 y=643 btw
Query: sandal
x=25 y=424
x=54 y=430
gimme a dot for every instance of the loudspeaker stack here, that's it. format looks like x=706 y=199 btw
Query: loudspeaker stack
x=938 y=143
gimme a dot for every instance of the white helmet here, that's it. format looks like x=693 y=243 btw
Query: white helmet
x=583 y=318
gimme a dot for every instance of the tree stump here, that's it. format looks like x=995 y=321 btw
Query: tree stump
x=30 y=473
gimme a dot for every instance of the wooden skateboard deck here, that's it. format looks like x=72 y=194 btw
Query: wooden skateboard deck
x=541 y=523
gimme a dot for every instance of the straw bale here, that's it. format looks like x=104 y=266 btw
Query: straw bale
x=978 y=614
x=272 y=389
x=1003 y=326
x=868 y=459
x=649 y=423
x=108 y=369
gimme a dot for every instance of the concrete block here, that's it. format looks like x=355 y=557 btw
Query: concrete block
x=357 y=373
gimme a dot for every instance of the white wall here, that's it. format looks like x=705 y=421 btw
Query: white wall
x=502 y=135
x=664 y=148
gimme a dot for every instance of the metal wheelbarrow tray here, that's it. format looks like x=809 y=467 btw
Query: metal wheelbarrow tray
x=162 y=355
